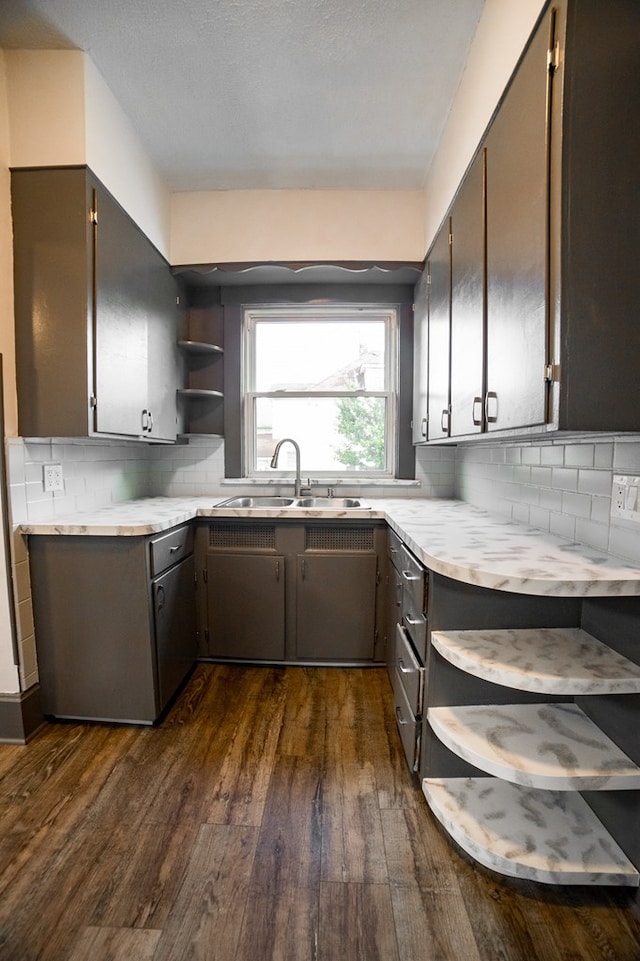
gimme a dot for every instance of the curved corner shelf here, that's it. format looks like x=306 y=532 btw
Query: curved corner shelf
x=199 y=347
x=557 y=660
x=547 y=836
x=193 y=392
x=550 y=746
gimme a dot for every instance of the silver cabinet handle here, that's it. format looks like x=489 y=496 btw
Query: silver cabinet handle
x=145 y=419
x=399 y=716
x=278 y=572
x=408 y=576
x=160 y=598
x=402 y=668
x=477 y=417
x=446 y=414
x=413 y=621
x=178 y=547
x=423 y=427
x=491 y=396
x=150 y=427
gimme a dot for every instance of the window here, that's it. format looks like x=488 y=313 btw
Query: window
x=326 y=377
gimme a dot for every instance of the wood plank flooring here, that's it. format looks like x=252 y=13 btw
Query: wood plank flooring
x=269 y=817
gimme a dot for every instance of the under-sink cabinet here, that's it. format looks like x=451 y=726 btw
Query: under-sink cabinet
x=115 y=621
x=529 y=752
x=291 y=591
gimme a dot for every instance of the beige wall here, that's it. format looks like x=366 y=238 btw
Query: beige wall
x=246 y=225
x=8 y=672
x=502 y=32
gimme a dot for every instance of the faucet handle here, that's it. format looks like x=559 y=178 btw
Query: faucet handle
x=306 y=490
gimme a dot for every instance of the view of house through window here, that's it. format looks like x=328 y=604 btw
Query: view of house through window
x=326 y=378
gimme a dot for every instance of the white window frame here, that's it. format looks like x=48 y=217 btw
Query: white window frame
x=333 y=312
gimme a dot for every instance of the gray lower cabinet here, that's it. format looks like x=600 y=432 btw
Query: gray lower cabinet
x=115 y=623
x=291 y=591
x=336 y=606
x=246 y=605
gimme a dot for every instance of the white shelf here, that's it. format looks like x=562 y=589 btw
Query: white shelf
x=545 y=836
x=545 y=660
x=199 y=347
x=551 y=746
x=201 y=393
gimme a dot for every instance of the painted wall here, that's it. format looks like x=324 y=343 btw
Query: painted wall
x=503 y=30
x=8 y=672
x=247 y=225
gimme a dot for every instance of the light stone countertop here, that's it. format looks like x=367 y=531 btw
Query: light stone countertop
x=450 y=537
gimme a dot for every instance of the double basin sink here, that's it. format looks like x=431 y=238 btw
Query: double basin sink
x=311 y=503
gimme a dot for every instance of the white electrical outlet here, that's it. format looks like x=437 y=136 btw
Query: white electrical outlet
x=625 y=498
x=52 y=478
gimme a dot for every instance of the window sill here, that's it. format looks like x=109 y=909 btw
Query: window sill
x=320 y=482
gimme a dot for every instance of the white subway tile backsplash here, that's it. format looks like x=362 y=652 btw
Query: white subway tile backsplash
x=551 y=455
x=594 y=482
x=563 y=525
x=564 y=478
x=578 y=505
x=579 y=455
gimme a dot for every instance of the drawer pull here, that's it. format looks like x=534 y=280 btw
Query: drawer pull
x=408 y=576
x=414 y=621
x=399 y=716
x=178 y=547
x=402 y=668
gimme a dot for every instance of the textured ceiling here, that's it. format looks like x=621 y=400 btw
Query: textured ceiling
x=259 y=94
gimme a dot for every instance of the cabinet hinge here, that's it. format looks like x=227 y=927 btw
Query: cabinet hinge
x=553 y=57
x=552 y=373
x=93 y=216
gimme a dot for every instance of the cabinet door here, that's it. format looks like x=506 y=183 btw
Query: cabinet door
x=120 y=349
x=420 y=359
x=245 y=596
x=174 y=608
x=517 y=244
x=439 y=268
x=162 y=349
x=467 y=303
x=335 y=607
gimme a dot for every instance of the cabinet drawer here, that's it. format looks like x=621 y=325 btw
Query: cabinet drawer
x=395 y=550
x=170 y=548
x=408 y=727
x=410 y=671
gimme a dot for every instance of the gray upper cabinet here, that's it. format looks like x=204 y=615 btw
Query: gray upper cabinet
x=551 y=278
x=420 y=359
x=467 y=303
x=96 y=314
x=516 y=150
x=439 y=280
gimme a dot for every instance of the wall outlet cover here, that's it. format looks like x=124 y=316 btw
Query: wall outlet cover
x=52 y=478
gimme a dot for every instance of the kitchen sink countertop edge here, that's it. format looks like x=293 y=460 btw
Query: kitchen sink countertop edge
x=450 y=537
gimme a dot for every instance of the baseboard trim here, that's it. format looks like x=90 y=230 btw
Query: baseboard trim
x=20 y=716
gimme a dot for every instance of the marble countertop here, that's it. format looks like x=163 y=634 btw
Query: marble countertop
x=450 y=537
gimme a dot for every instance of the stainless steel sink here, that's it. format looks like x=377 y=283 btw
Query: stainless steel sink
x=332 y=503
x=313 y=503
x=257 y=502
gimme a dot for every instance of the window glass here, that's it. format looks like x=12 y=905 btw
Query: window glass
x=325 y=378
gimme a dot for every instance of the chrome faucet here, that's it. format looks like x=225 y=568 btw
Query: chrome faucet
x=274 y=461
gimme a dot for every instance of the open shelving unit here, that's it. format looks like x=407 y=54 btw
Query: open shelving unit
x=528 y=818
x=201 y=399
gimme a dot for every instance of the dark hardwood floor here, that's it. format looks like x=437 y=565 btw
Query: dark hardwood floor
x=269 y=816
